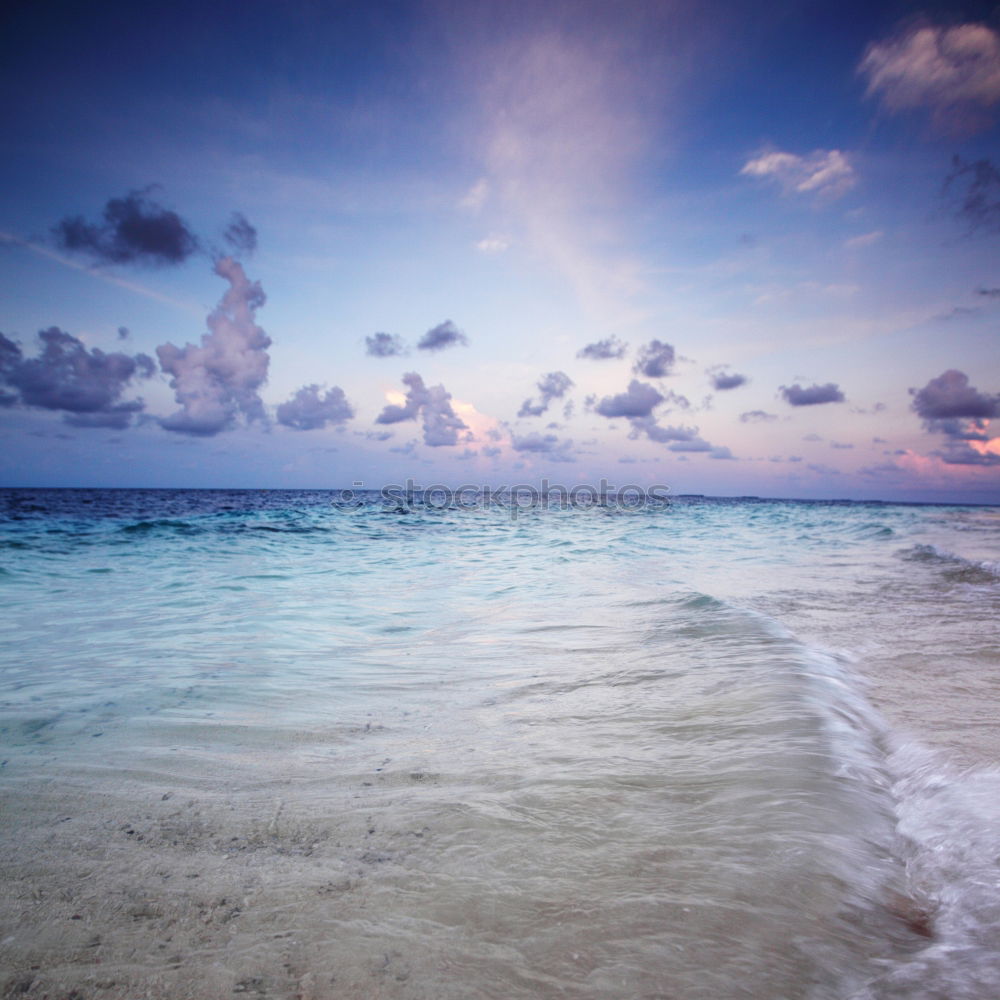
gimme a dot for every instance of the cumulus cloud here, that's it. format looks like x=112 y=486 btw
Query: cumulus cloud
x=826 y=172
x=757 y=416
x=639 y=401
x=943 y=69
x=695 y=444
x=797 y=395
x=307 y=410
x=948 y=405
x=950 y=396
x=442 y=336
x=974 y=189
x=723 y=380
x=441 y=424
x=216 y=381
x=656 y=432
x=555 y=385
x=604 y=350
x=655 y=359
x=545 y=444
x=240 y=235
x=384 y=345
x=86 y=385
x=134 y=230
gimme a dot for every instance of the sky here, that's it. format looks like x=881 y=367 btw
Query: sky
x=730 y=248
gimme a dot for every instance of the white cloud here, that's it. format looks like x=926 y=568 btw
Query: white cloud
x=864 y=240
x=475 y=198
x=935 y=67
x=825 y=172
x=493 y=244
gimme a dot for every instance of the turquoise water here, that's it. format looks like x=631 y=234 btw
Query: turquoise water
x=288 y=745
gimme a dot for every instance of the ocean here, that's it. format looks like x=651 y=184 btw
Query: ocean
x=306 y=744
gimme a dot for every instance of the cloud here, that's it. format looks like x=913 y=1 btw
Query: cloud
x=639 y=401
x=384 y=345
x=135 y=230
x=441 y=424
x=476 y=197
x=216 y=381
x=939 y=68
x=555 y=385
x=307 y=410
x=797 y=395
x=825 y=172
x=948 y=405
x=864 y=240
x=974 y=189
x=86 y=385
x=443 y=335
x=493 y=244
x=655 y=359
x=823 y=470
x=604 y=350
x=240 y=235
x=950 y=396
x=544 y=444
x=695 y=444
x=757 y=416
x=723 y=380
x=722 y=452
x=656 y=432
x=993 y=293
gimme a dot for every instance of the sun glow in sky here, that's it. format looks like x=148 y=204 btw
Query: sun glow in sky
x=733 y=248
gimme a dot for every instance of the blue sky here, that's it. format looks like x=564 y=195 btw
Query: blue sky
x=732 y=248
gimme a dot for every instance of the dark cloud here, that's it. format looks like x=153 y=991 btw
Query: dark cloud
x=216 y=381
x=123 y=333
x=135 y=230
x=655 y=359
x=604 y=350
x=727 y=380
x=974 y=191
x=948 y=405
x=663 y=435
x=756 y=416
x=86 y=385
x=722 y=452
x=695 y=444
x=639 y=401
x=823 y=470
x=950 y=396
x=545 y=444
x=443 y=335
x=490 y=452
x=797 y=395
x=307 y=410
x=841 y=445
x=961 y=453
x=240 y=235
x=555 y=385
x=441 y=424
x=384 y=345
x=993 y=293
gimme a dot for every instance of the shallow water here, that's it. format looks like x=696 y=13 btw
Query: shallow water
x=254 y=742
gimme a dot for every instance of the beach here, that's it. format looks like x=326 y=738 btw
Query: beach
x=267 y=743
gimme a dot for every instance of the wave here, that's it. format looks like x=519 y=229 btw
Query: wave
x=955 y=567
